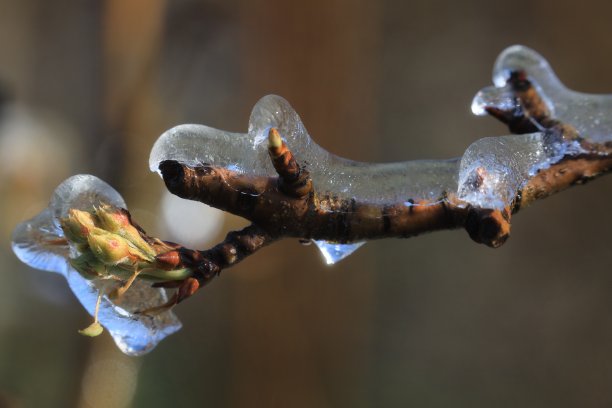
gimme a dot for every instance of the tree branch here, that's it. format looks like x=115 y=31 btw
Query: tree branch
x=205 y=265
x=290 y=205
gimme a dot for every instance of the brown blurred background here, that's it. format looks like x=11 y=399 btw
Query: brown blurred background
x=435 y=321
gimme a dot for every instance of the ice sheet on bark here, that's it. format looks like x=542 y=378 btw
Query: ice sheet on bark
x=488 y=175
x=590 y=114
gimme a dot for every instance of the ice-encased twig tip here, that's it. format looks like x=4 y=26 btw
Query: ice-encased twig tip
x=274 y=139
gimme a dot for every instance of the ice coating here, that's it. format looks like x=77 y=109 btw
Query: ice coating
x=503 y=163
x=493 y=169
x=590 y=114
x=247 y=153
x=501 y=98
x=333 y=252
x=488 y=175
x=39 y=243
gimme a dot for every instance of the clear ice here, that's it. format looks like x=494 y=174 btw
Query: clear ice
x=493 y=169
x=39 y=243
x=247 y=153
x=488 y=175
x=590 y=114
x=333 y=252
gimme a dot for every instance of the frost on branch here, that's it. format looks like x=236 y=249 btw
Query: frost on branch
x=278 y=178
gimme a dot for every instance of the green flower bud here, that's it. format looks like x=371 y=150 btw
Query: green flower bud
x=77 y=225
x=109 y=248
x=113 y=249
x=117 y=220
x=112 y=219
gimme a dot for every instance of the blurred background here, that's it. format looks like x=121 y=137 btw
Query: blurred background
x=434 y=321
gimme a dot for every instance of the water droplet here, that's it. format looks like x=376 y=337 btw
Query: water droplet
x=333 y=252
x=500 y=98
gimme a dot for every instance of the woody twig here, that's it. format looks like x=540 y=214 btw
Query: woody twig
x=289 y=205
x=594 y=159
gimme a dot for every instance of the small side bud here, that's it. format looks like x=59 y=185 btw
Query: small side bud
x=170 y=259
x=292 y=180
x=274 y=139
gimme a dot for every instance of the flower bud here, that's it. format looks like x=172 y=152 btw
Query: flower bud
x=112 y=219
x=117 y=220
x=109 y=248
x=77 y=225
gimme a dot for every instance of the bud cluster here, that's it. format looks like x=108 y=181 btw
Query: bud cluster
x=111 y=246
x=107 y=242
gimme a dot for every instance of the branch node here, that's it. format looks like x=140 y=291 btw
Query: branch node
x=489 y=227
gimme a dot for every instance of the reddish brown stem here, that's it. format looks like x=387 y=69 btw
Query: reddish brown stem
x=205 y=265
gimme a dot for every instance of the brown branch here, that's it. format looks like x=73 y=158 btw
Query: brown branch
x=325 y=217
x=568 y=172
x=288 y=205
x=534 y=115
x=313 y=216
x=205 y=265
